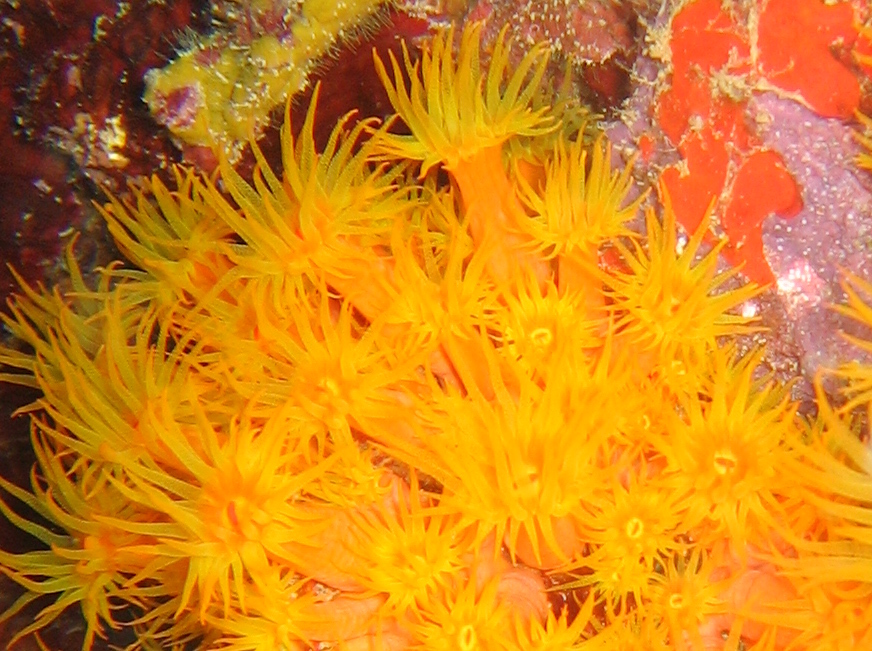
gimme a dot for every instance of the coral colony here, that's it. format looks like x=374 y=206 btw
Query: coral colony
x=405 y=392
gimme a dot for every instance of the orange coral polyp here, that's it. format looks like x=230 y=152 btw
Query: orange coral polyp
x=729 y=448
x=494 y=213
x=672 y=300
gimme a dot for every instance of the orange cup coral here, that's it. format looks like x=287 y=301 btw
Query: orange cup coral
x=392 y=397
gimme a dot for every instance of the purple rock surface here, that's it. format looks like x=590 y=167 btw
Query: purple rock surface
x=810 y=253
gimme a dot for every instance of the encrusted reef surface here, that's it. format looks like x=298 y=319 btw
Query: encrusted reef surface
x=753 y=106
x=71 y=81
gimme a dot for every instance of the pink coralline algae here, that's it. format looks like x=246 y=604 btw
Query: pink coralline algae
x=832 y=233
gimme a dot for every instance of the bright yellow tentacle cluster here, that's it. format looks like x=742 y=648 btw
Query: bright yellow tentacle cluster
x=454 y=109
x=395 y=395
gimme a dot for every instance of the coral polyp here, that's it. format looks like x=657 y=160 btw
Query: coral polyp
x=436 y=385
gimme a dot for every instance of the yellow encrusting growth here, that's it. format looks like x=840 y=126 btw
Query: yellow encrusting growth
x=220 y=91
x=414 y=390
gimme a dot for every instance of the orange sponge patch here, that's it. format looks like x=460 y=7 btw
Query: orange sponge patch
x=693 y=185
x=796 y=40
x=704 y=110
x=749 y=207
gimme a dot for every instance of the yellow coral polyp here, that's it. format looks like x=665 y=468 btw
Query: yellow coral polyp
x=856 y=374
x=471 y=616
x=581 y=202
x=687 y=594
x=324 y=215
x=171 y=235
x=540 y=324
x=474 y=112
x=419 y=550
x=730 y=445
x=632 y=521
x=93 y=562
x=368 y=404
x=672 y=299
